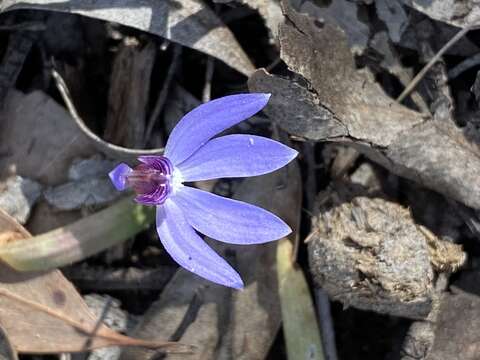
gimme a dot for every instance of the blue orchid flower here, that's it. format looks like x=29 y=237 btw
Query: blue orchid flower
x=192 y=155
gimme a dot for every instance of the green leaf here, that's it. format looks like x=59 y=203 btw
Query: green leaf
x=79 y=240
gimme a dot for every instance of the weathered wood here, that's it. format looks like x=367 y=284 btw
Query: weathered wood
x=344 y=104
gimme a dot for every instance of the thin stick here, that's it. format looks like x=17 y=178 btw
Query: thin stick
x=427 y=67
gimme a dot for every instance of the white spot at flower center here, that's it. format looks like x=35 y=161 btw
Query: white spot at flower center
x=176 y=180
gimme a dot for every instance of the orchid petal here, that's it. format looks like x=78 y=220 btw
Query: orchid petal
x=236 y=156
x=118 y=176
x=189 y=250
x=228 y=220
x=209 y=119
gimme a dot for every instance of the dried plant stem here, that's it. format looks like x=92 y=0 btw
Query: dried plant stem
x=427 y=67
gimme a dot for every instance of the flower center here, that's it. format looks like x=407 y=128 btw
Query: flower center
x=144 y=180
x=151 y=180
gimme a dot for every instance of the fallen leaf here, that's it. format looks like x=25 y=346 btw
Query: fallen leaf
x=43 y=313
x=188 y=22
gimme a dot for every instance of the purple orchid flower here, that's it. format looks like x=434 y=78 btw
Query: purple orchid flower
x=191 y=155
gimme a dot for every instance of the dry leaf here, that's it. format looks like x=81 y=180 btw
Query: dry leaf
x=43 y=313
x=188 y=22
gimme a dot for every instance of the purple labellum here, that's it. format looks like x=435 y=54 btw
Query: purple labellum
x=192 y=155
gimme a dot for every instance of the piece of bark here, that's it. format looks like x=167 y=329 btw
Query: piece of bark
x=368 y=252
x=409 y=144
x=304 y=116
x=129 y=93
